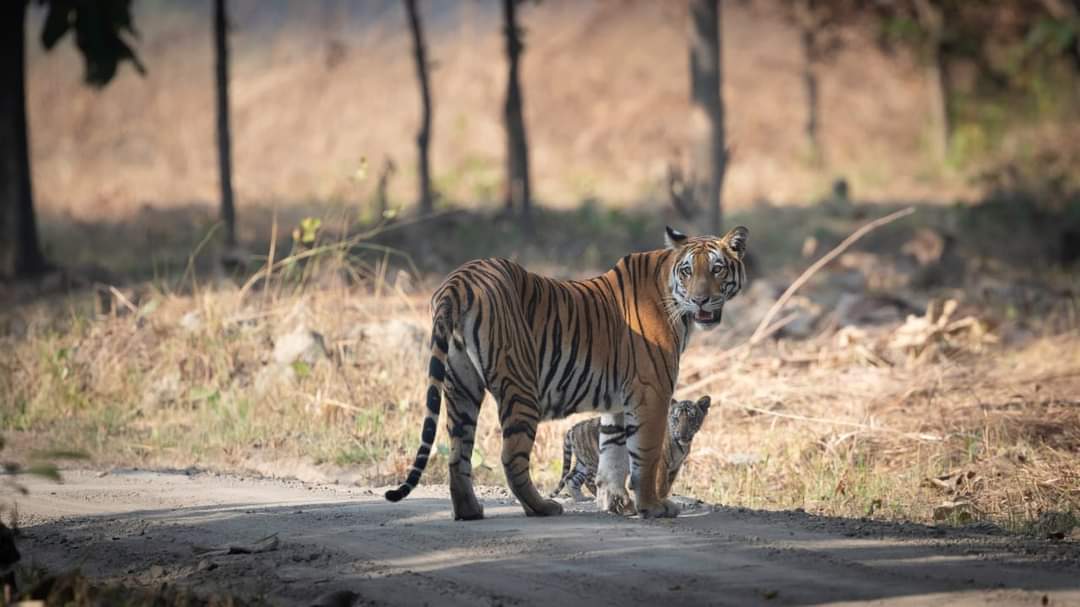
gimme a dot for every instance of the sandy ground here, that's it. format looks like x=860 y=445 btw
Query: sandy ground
x=147 y=528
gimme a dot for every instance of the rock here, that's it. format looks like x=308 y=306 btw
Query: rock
x=857 y=309
x=394 y=333
x=156 y=571
x=301 y=345
x=880 y=272
x=165 y=390
x=806 y=313
x=926 y=246
x=206 y=565
x=191 y=321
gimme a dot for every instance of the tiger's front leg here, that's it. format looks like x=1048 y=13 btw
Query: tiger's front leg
x=646 y=447
x=611 y=494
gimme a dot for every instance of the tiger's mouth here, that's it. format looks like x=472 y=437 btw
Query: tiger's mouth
x=704 y=317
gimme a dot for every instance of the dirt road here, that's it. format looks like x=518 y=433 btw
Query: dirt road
x=145 y=528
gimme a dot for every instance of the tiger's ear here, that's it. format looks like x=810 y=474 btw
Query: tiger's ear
x=736 y=240
x=704 y=402
x=673 y=238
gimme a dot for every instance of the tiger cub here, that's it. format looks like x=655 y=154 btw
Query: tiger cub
x=583 y=440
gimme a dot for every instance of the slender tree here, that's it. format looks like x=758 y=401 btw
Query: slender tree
x=709 y=154
x=818 y=23
x=20 y=252
x=932 y=20
x=423 y=137
x=224 y=130
x=808 y=37
x=517 y=147
x=98 y=28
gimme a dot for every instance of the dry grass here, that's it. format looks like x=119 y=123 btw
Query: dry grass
x=993 y=437
x=848 y=424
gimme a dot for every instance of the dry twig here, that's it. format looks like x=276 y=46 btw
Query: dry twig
x=759 y=333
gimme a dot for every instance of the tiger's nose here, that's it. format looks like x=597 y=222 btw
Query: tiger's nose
x=700 y=301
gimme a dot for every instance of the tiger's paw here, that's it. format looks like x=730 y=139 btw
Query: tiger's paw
x=468 y=511
x=615 y=501
x=662 y=509
x=547 y=508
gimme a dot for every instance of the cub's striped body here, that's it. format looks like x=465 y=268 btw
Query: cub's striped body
x=582 y=447
x=546 y=348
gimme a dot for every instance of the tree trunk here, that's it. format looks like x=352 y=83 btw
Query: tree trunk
x=423 y=137
x=938 y=81
x=224 y=133
x=932 y=20
x=517 y=148
x=810 y=84
x=20 y=253
x=707 y=112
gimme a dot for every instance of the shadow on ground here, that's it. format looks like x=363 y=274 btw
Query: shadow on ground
x=411 y=552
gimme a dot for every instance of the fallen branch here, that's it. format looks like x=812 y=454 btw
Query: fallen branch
x=759 y=333
x=764 y=328
x=838 y=422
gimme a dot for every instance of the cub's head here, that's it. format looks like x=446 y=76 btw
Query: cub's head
x=707 y=271
x=685 y=418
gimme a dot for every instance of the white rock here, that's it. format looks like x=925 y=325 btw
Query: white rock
x=302 y=344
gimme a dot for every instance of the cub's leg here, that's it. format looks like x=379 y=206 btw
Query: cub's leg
x=611 y=473
x=578 y=477
x=464 y=393
x=519 y=415
x=646 y=447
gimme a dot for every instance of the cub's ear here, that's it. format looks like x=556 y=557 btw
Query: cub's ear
x=673 y=238
x=704 y=402
x=736 y=240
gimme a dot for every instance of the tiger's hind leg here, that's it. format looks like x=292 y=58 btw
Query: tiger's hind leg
x=464 y=393
x=520 y=415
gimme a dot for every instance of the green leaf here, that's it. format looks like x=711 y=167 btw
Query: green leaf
x=361 y=170
x=309 y=228
x=301 y=368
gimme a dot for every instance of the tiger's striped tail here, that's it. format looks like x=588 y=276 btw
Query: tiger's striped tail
x=567 y=459
x=440 y=334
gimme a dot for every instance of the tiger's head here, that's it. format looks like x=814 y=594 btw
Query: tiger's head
x=707 y=271
x=685 y=418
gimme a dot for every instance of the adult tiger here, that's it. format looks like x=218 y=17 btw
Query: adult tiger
x=546 y=348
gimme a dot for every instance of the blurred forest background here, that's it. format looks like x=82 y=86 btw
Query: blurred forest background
x=929 y=372
x=871 y=93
